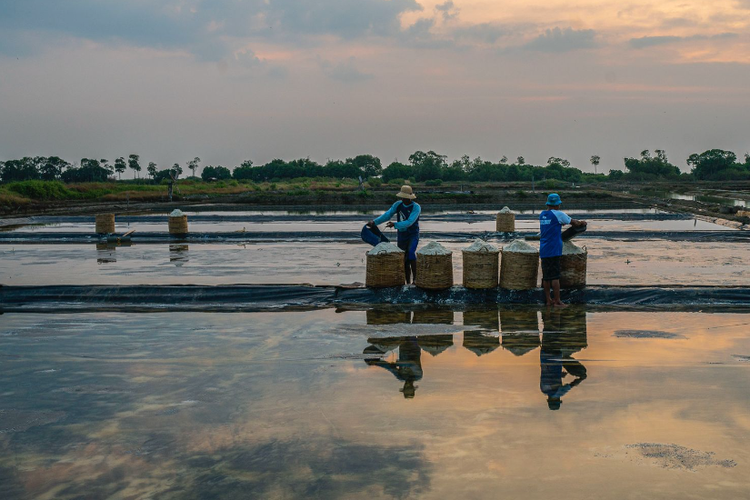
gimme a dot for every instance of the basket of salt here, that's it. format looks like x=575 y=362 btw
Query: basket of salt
x=178 y=223
x=573 y=266
x=385 y=266
x=481 y=265
x=434 y=267
x=519 y=268
x=105 y=223
x=506 y=221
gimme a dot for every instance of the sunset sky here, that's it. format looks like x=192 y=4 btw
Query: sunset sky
x=229 y=80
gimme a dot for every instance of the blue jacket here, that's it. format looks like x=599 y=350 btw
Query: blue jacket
x=550 y=228
x=407 y=217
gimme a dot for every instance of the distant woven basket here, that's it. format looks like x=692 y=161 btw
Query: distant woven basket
x=506 y=222
x=434 y=272
x=481 y=269
x=178 y=225
x=573 y=270
x=519 y=270
x=385 y=269
x=433 y=317
x=105 y=223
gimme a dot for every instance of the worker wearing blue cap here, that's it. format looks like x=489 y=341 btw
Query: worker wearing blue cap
x=551 y=222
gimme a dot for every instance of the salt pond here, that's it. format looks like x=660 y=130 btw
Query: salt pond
x=385 y=403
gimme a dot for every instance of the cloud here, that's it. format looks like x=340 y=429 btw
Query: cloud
x=448 y=9
x=562 y=40
x=485 y=33
x=345 y=71
x=652 y=41
x=201 y=27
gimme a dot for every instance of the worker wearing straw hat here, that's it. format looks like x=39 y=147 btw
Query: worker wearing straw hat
x=551 y=222
x=407 y=213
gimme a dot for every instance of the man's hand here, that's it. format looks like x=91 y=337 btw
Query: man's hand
x=578 y=223
x=389 y=224
x=371 y=224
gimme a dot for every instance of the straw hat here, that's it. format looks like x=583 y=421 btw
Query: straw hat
x=406 y=192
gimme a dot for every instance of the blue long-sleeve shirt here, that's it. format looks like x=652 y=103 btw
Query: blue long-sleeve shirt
x=402 y=225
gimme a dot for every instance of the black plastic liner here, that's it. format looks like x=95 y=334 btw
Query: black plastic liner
x=19 y=237
x=292 y=297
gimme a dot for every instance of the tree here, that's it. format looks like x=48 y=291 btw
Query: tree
x=396 y=170
x=215 y=173
x=151 y=169
x=368 y=165
x=134 y=164
x=51 y=168
x=176 y=170
x=504 y=160
x=427 y=166
x=713 y=163
x=193 y=164
x=648 y=167
x=521 y=160
x=595 y=162
x=119 y=166
x=20 y=170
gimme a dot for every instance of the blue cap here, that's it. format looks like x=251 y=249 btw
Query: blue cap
x=554 y=199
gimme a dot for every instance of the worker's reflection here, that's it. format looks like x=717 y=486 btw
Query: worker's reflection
x=563 y=335
x=408 y=366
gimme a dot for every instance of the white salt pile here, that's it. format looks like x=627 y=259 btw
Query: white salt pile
x=176 y=213
x=570 y=249
x=505 y=210
x=434 y=248
x=481 y=246
x=519 y=246
x=385 y=248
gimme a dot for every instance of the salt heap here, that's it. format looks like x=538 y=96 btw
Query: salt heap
x=519 y=246
x=385 y=248
x=570 y=249
x=506 y=210
x=176 y=213
x=433 y=248
x=481 y=246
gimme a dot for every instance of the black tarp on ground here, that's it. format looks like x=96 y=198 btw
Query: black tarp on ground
x=290 y=297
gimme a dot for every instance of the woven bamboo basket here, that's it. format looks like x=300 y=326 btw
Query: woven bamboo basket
x=434 y=272
x=573 y=270
x=519 y=270
x=505 y=223
x=566 y=330
x=178 y=225
x=433 y=317
x=105 y=223
x=481 y=269
x=385 y=270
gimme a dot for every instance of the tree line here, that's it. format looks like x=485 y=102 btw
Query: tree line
x=713 y=164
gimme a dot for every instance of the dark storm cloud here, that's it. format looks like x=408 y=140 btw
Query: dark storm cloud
x=562 y=40
x=652 y=41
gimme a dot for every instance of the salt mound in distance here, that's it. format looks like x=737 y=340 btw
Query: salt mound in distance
x=433 y=248
x=481 y=246
x=519 y=246
x=385 y=248
x=506 y=210
x=176 y=213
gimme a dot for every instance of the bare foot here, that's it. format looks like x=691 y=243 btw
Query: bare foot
x=560 y=305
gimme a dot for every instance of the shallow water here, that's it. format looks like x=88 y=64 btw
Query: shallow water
x=610 y=262
x=375 y=404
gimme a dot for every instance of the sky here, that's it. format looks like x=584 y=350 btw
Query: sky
x=232 y=80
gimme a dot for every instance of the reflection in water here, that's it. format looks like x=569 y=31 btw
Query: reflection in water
x=481 y=341
x=433 y=317
x=564 y=334
x=408 y=367
x=520 y=329
x=178 y=254
x=105 y=253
